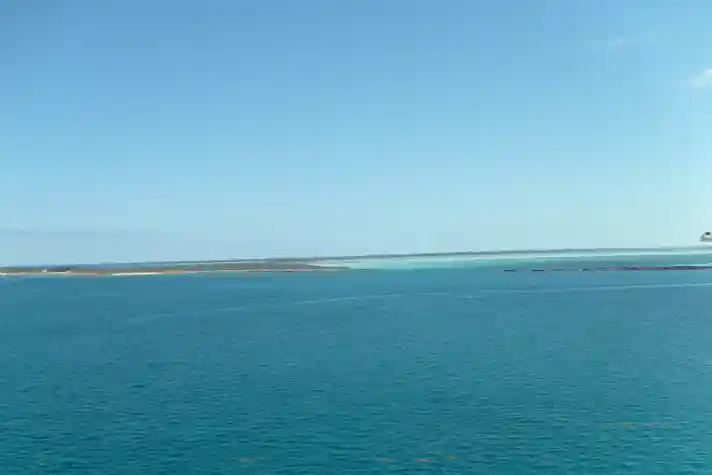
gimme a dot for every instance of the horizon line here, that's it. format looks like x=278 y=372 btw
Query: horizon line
x=484 y=252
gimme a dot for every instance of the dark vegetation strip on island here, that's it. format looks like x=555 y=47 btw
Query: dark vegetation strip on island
x=265 y=266
x=279 y=265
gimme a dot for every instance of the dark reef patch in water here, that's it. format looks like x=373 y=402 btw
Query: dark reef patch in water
x=613 y=268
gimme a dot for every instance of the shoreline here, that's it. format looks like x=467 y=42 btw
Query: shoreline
x=97 y=271
x=250 y=269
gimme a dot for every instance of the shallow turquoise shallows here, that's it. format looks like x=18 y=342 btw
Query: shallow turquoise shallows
x=455 y=370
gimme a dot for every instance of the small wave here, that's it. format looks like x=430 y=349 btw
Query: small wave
x=342 y=299
x=150 y=317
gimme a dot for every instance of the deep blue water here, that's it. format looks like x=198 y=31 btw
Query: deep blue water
x=456 y=371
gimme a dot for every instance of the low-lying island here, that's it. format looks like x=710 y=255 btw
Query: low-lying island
x=167 y=268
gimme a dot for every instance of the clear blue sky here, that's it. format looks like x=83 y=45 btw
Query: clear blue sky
x=164 y=129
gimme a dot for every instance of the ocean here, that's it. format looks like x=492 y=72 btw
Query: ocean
x=449 y=368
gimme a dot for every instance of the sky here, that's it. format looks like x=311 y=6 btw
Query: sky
x=135 y=130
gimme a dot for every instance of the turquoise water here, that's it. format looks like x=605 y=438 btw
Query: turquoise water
x=681 y=256
x=459 y=370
